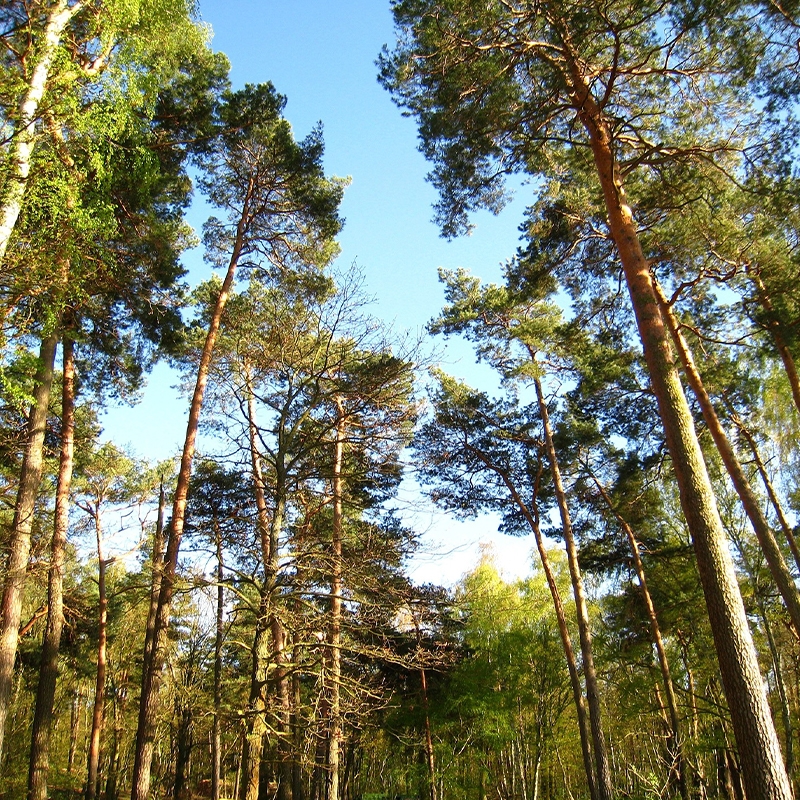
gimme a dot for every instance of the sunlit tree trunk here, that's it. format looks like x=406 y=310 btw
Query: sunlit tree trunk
x=267 y=530
x=98 y=711
x=151 y=679
x=767 y=481
x=22 y=525
x=780 y=343
x=676 y=745
x=22 y=142
x=764 y=772
x=48 y=670
x=532 y=518
x=335 y=635
x=216 y=740
x=766 y=539
x=603 y=774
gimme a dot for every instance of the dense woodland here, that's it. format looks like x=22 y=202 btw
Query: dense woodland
x=238 y=623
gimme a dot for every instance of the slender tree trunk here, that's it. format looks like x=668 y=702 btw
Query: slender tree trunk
x=786 y=716
x=157 y=560
x=48 y=671
x=771 y=493
x=281 y=684
x=20 y=538
x=764 y=773
x=114 y=759
x=74 y=726
x=676 y=745
x=532 y=519
x=151 y=679
x=100 y=681
x=183 y=752
x=429 y=752
x=766 y=539
x=605 y=792
x=775 y=331
x=216 y=741
x=257 y=705
x=335 y=637
x=297 y=729
x=269 y=531
x=19 y=161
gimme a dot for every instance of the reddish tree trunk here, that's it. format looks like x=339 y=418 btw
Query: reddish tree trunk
x=151 y=678
x=764 y=773
x=20 y=538
x=48 y=671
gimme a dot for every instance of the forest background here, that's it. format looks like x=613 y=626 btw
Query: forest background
x=256 y=613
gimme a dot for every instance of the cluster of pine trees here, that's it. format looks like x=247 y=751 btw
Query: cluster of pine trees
x=252 y=633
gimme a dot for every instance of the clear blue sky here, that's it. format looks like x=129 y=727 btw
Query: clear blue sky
x=321 y=54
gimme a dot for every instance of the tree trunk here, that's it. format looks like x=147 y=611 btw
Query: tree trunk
x=775 y=331
x=764 y=773
x=48 y=671
x=74 y=725
x=19 y=161
x=157 y=561
x=100 y=681
x=216 y=743
x=297 y=729
x=604 y=790
x=335 y=636
x=257 y=705
x=566 y=642
x=676 y=744
x=183 y=755
x=771 y=493
x=766 y=539
x=269 y=532
x=20 y=538
x=429 y=752
x=151 y=678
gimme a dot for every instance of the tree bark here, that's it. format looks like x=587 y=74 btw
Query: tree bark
x=151 y=679
x=603 y=772
x=335 y=635
x=98 y=711
x=429 y=752
x=157 y=562
x=25 y=130
x=765 y=479
x=676 y=745
x=777 y=337
x=216 y=741
x=48 y=671
x=269 y=531
x=764 y=773
x=766 y=539
x=20 y=538
x=532 y=519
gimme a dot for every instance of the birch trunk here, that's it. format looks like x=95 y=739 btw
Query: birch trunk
x=19 y=162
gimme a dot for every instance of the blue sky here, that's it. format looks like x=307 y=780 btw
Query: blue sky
x=321 y=54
